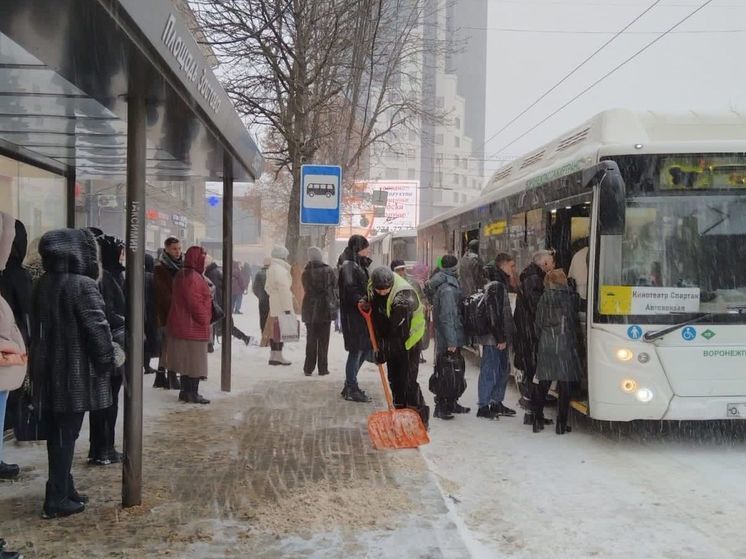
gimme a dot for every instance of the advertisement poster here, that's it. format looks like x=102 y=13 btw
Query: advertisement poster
x=363 y=211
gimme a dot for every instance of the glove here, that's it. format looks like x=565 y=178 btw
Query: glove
x=364 y=305
x=287 y=312
x=119 y=355
x=379 y=357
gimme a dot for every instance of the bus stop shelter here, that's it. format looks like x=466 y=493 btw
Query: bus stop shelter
x=111 y=116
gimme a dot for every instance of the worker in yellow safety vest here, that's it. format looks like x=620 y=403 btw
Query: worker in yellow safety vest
x=399 y=323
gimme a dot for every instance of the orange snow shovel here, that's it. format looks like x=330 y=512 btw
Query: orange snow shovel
x=393 y=428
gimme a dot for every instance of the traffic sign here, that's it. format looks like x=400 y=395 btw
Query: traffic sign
x=320 y=194
x=634 y=332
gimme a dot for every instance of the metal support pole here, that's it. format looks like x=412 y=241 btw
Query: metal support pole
x=135 y=279
x=225 y=357
x=70 y=195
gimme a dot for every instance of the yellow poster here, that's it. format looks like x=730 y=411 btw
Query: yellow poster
x=615 y=299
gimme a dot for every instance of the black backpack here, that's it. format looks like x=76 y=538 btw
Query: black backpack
x=475 y=315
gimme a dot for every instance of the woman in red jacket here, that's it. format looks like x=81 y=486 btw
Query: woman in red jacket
x=189 y=325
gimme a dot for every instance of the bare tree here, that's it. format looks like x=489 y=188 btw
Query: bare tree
x=328 y=78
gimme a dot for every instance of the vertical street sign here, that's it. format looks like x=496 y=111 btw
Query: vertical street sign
x=320 y=194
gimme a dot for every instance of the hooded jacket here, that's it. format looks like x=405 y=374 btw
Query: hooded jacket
x=112 y=286
x=72 y=353
x=320 y=298
x=152 y=338
x=446 y=298
x=11 y=339
x=16 y=283
x=353 y=286
x=557 y=328
x=530 y=291
x=191 y=300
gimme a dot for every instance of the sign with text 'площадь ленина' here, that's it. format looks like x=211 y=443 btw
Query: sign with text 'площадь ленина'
x=320 y=194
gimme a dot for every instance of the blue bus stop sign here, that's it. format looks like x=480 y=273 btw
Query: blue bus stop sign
x=320 y=194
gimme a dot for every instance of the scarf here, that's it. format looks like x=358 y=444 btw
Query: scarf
x=171 y=265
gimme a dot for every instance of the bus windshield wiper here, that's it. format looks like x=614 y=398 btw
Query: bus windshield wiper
x=657 y=334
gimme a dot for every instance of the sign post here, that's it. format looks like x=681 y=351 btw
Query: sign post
x=320 y=195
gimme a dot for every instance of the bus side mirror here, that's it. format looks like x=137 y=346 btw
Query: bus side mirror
x=611 y=192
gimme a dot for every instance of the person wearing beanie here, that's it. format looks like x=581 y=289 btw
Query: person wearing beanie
x=471 y=270
x=319 y=308
x=449 y=334
x=399 y=267
x=353 y=288
x=399 y=324
x=278 y=287
x=257 y=287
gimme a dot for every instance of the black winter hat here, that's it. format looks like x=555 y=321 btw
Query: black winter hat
x=357 y=243
x=449 y=261
x=397 y=264
x=382 y=278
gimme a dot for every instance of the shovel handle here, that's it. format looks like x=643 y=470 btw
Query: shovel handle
x=366 y=312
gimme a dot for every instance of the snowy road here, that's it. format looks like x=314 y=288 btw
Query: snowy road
x=590 y=494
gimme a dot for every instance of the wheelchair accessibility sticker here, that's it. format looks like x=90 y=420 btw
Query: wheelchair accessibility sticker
x=689 y=333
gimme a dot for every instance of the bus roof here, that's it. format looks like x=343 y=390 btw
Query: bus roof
x=613 y=132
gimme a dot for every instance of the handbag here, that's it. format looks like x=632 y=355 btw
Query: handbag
x=30 y=423
x=289 y=327
x=448 y=380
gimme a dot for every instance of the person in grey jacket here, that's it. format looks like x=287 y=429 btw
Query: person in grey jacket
x=558 y=358
x=471 y=270
x=449 y=329
x=494 y=367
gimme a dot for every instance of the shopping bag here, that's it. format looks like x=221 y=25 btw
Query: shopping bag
x=289 y=327
x=30 y=423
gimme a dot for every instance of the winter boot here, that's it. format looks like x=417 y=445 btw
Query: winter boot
x=9 y=471
x=160 y=379
x=186 y=389
x=458 y=408
x=173 y=381
x=501 y=409
x=442 y=411
x=354 y=394
x=57 y=508
x=197 y=398
x=487 y=413
x=528 y=418
x=245 y=339
x=275 y=357
x=4 y=554
x=538 y=425
x=73 y=494
x=345 y=391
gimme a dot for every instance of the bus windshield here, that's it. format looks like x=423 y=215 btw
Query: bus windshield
x=681 y=254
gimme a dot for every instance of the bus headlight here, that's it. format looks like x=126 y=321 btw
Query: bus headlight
x=644 y=395
x=624 y=354
x=629 y=385
x=643 y=357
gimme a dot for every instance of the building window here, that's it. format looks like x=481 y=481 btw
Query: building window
x=457 y=123
x=440 y=102
x=439 y=139
x=413 y=136
x=410 y=153
x=457 y=141
x=411 y=173
x=392 y=173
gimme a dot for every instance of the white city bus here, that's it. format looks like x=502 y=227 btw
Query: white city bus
x=661 y=202
x=398 y=245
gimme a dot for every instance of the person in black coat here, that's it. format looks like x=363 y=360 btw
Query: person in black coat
x=15 y=288
x=72 y=354
x=353 y=288
x=103 y=422
x=557 y=326
x=214 y=273
x=257 y=287
x=529 y=292
x=152 y=344
x=319 y=308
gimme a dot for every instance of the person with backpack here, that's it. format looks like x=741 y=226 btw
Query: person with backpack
x=399 y=325
x=494 y=369
x=471 y=270
x=448 y=383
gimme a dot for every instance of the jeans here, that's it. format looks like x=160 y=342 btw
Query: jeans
x=355 y=360
x=317 y=347
x=63 y=432
x=237 y=301
x=3 y=402
x=493 y=375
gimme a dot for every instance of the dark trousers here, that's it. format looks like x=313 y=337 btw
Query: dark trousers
x=217 y=331
x=63 y=432
x=263 y=314
x=403 y=369
x=317 y=346
x=563 y=402
x=103 y=422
